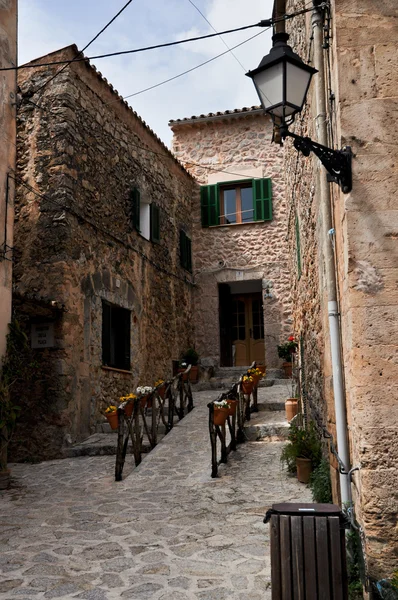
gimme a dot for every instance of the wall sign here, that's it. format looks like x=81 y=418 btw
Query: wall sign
x=42 y=335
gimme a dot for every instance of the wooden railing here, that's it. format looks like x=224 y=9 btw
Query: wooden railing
x=234 y=423
x=143 y=416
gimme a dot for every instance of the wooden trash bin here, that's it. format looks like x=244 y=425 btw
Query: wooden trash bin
x=308 y=557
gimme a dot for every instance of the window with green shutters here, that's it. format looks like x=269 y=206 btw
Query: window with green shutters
x=135 y=202
x=236 y=202
x=144 y=217
x=185 y=251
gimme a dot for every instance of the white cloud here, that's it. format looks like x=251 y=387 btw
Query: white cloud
x=46 y=25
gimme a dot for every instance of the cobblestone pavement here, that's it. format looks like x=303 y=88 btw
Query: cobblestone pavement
x=166 y=532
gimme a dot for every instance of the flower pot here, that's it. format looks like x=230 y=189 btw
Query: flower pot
x=261 y=368
x=128 y=409
x=256 y=379
x=288 y=368
x=194 y=374
x=5 y=478
x=291 y=408
x=232 y=407
x=144 y=401
x=113 y=419
x=162 y=391
x=220 y=415
x=185 y=377
x=304 y=469
x=247 y=387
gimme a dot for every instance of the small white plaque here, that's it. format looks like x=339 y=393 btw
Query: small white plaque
x=42 y=335
x=239 y=275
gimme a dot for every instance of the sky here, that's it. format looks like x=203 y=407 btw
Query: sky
x=48 y=25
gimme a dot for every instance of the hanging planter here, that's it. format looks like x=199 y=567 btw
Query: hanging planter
x=288 y=369
x=220 y=415
x=113 y=419
x=247 y=384
x=232 y=405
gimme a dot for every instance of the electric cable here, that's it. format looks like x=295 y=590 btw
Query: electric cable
x=85 y=48
x=265 y=23
x=221 y=38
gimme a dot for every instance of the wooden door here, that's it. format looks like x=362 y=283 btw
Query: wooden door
x=247 y=329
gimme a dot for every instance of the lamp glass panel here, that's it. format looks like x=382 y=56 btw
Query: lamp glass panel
x=297 y=81
x=269 y=85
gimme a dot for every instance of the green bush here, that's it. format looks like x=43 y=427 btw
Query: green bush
x=190 y=357
x=302 y=443
x=320 y=483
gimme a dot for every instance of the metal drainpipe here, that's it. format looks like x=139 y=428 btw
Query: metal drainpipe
x=328 y=254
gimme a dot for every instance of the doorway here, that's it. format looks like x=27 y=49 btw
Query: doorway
x=241 y=324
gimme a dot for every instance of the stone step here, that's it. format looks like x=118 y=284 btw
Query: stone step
x=101 y=444
x=272 y=432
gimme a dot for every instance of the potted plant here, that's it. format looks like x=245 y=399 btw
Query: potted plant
x=160 y=387
x=128 y=409
x=291 y=408
x=111 y=415
x=220 y=412
x=144 y=391
x=285 y=352
x=256 y=374
x=247 y=384
x=190 y=357
x=302 y=452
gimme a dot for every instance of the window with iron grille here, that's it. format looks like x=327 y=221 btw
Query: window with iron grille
x=115 y=336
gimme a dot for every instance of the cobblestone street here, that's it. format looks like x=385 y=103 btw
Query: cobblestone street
x=166 y=532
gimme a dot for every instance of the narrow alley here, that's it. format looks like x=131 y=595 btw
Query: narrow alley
x=166 y=532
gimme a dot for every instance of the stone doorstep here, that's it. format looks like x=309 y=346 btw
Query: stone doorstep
x=272 y=432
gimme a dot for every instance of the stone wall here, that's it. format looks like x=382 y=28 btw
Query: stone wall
x=8 y=58
x=230 y=148
x=364 y=40
x=83 y=151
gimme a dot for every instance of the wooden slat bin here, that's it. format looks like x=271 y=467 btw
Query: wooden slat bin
x=308 y=558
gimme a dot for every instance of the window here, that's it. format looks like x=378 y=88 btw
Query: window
x=145 y=217
x=115 y=336
x=185 y=251
x=236 y=202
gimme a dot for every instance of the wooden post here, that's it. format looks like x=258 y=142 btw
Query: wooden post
x=171 y=406
x=136 y=432
x=240 y=436
x=181 y=392
x=213 y=441
x=255 y=397
x=120 y=455
x=154 y=435
x=223 y=438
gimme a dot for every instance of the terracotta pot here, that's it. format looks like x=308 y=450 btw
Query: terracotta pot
x=247 y=387
x=128 y=409
x=288 y=368
x=261 y=368
x=232 y=407
x=185 y=377
x=162 y=391
x=144 y=401
x=113 y=419
x=304 y=469
x=256 y=379
x=291 y=408
x=5 y=478
x=220 y=415
x=194 y=374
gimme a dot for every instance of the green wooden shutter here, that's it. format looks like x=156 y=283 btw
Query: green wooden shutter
x=210 y=205
x=262 y=199
x=155 y=223
x=298 y=248
x=135 y=200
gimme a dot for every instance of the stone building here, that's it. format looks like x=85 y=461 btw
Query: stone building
x=242 y=300
x=103 y=282
x=359 y=46
x=8 y=58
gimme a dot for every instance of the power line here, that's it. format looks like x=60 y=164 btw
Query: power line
x=102 y=230
x=221 y=38
x=85 y=48
x=266 y=23
x=206 y=62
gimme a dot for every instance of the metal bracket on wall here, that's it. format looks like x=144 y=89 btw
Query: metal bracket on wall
x=336 y=162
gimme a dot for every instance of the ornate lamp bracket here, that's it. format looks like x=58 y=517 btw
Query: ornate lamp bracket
x=336 y=162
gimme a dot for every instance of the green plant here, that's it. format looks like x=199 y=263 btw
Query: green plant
x=190 y=357
x=302 y=443
x=286 y=350
x=320 y=483
x=354 y=559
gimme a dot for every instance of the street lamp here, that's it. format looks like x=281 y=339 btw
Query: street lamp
x=282 y=80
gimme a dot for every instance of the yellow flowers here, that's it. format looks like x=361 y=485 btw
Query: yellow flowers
x=158 y=382
x=247 y=379
x=112 y=408
x=255 y=372
x=128 y=397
